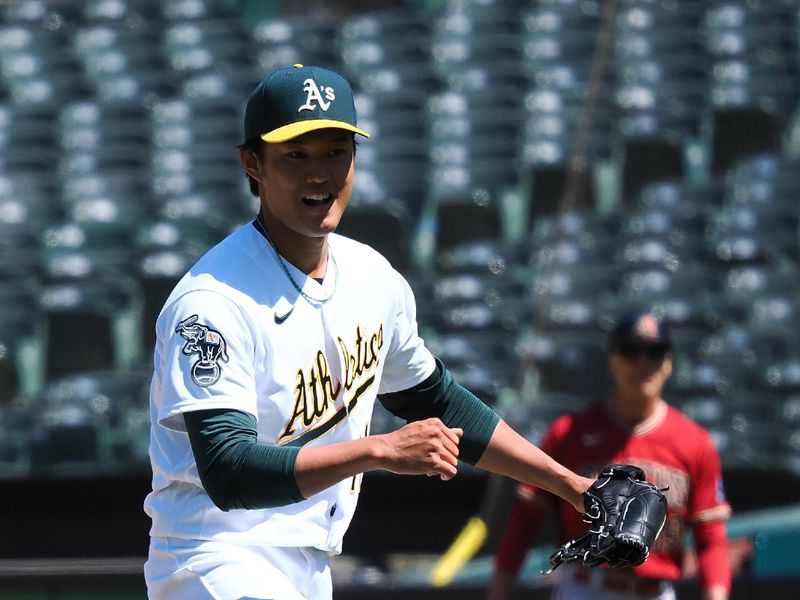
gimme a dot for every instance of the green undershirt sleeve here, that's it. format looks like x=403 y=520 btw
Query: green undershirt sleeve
x=440 y=396
x=236 y=470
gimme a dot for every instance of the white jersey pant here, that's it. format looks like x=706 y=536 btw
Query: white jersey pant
x=569 y=589
x=200 y=570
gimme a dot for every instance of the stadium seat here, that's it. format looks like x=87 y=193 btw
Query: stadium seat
x=498 y=257
x=475 y=215
x=29 y=11
x=649 y=159
x=30 y=127
x=285 y=41
x=650 y=283
x=89 y=324
x=742 y=285
x=576 y=315
x=584 y=253
x=208 y=46
x=466 y=349
x=477 y=316
x=164 y=250
x=475 y=50
x=20 y=317
x=788 y=412
x=558 y=43
x=682 y=196
x=90 y=125
x=642 y=252
x=119 y=11
x=189 y=10
x=159 y=271
x=113 y=55
x=681 y=224
x=773 y=309
x=732 y=249
x=14 y=440
x=556 y=187
x=568 y=362
x=764 y=183
x=706 y=409
x=80 y=424
x=752 y=87
x=464 y=302
x=386 y=226
x=467 y=288
x=747 y=350
x=744 y=431
x=660 y=80
x=567 y=283
x=393 y=117
x=383 y=38
x=10 y=384
x=701 y=378
x=472 y=141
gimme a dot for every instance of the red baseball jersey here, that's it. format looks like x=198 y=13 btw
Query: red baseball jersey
x=672 y=450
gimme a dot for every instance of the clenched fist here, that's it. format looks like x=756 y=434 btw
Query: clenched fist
x=422 y=447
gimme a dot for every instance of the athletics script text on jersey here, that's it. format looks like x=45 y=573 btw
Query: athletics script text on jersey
x=316 y=392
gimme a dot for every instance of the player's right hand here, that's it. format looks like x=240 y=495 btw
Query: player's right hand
x=426 y=447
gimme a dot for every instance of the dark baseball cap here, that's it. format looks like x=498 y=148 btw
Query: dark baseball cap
x=292 y=101
x=639 y=326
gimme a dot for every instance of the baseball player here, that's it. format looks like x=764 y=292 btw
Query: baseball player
x=635 y=425
x=270 y=354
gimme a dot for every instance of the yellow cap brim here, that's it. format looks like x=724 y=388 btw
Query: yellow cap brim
x=291 y=131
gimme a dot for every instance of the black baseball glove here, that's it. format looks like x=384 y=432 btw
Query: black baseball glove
x=625 y=514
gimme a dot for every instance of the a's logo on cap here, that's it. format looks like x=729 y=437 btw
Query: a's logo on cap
x=314 y=95
x=646 y=327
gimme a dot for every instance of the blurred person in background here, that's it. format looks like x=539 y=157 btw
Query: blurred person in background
x=633 y=425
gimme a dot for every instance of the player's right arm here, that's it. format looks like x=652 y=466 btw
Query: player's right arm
x=237 y=471
x=420 y=448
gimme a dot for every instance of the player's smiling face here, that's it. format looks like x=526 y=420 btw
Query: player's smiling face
x=307 y=181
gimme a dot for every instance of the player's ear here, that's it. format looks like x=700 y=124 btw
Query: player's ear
x=668 y=364
x=250 y=162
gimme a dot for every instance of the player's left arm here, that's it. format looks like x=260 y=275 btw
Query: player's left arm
x=487 y=442
x=511 y=455
x=713 y=562
x=708 y=512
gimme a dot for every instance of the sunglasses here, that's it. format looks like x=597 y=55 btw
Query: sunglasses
x=632 y=351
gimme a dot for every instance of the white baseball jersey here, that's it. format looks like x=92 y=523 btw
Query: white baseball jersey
x=236 y=334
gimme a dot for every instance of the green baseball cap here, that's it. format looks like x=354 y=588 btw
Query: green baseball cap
x=292 y=101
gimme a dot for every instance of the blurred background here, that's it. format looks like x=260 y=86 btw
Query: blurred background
x=534 y=167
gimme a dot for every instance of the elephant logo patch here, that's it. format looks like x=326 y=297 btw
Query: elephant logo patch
x=210 y=347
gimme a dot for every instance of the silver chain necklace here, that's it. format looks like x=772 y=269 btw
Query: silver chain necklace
x=296 y=286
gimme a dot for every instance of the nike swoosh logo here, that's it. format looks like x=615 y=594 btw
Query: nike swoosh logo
x=281 y=318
